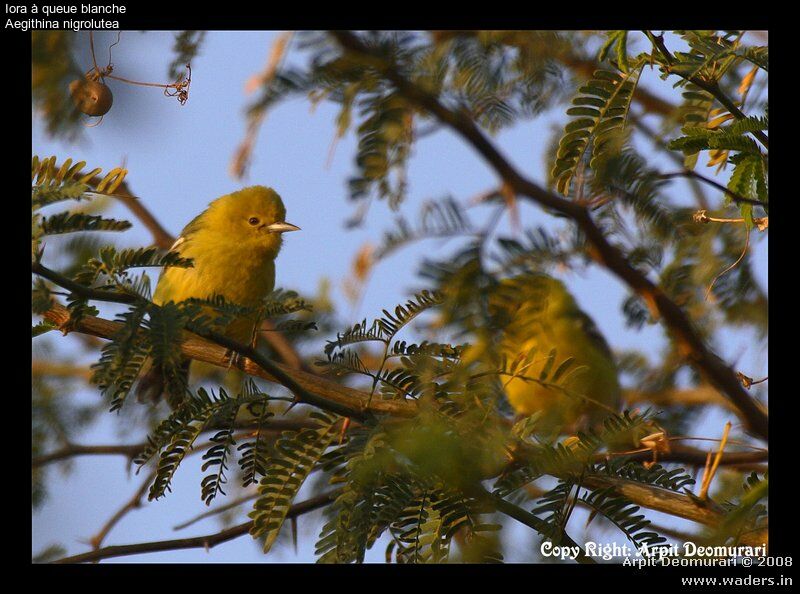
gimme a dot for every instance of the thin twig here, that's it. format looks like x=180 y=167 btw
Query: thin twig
x=707 y=180
x=660 y=144
x=530 y=520
x=133 y=503
x=732 y=266
x=198 y=542
x=244 y=152
x=701 y=216
x=72 y=450
x=693 y=456
x=132 y=450
x=216 y=511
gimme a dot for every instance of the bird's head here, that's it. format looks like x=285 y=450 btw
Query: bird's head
x=255 y=216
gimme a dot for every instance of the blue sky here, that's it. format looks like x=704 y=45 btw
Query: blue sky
x=178 y=160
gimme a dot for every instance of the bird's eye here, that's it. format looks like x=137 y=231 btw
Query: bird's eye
x=253 y=221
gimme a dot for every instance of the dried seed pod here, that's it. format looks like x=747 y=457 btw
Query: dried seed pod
x=91 y=97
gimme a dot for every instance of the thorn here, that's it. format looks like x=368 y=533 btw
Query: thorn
x=345 y=425
x=746 y=381
x=709 y=473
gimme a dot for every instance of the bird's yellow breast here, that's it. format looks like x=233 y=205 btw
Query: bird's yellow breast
x=241 y=276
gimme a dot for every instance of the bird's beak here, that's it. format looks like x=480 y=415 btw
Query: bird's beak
x=282 y=227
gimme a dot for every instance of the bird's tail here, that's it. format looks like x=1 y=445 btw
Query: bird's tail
x=155 y=384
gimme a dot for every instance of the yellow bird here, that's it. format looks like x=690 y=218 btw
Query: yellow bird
x=233 y=245
x=541 y=317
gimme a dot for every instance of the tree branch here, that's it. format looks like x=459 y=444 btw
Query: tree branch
x=689 y=341
x=130 y=451
x=733 y=195
x=324 y=393
x=687 y=455
x=648 y=101
x=64 y=370
x=275 y=372
x=161 y=237
x=711 y=87
x=530 y=520
x=217 y=510
x=71 y=450
x=675 y=504
x=208 y=541
x=662 y=500
x=131 y=504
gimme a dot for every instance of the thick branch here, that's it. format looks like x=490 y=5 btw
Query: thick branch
x=674 y=504
x=692 y=346
x=662 y=500
x=197 y=542
x=275 y=372
x=325 y=393
x=161 y=237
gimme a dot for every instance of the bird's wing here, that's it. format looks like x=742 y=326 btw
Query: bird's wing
x=187 y=233
x=170 y=277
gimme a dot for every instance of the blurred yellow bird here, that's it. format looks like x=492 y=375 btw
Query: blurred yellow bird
x=541 y=316
x=233 y=245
